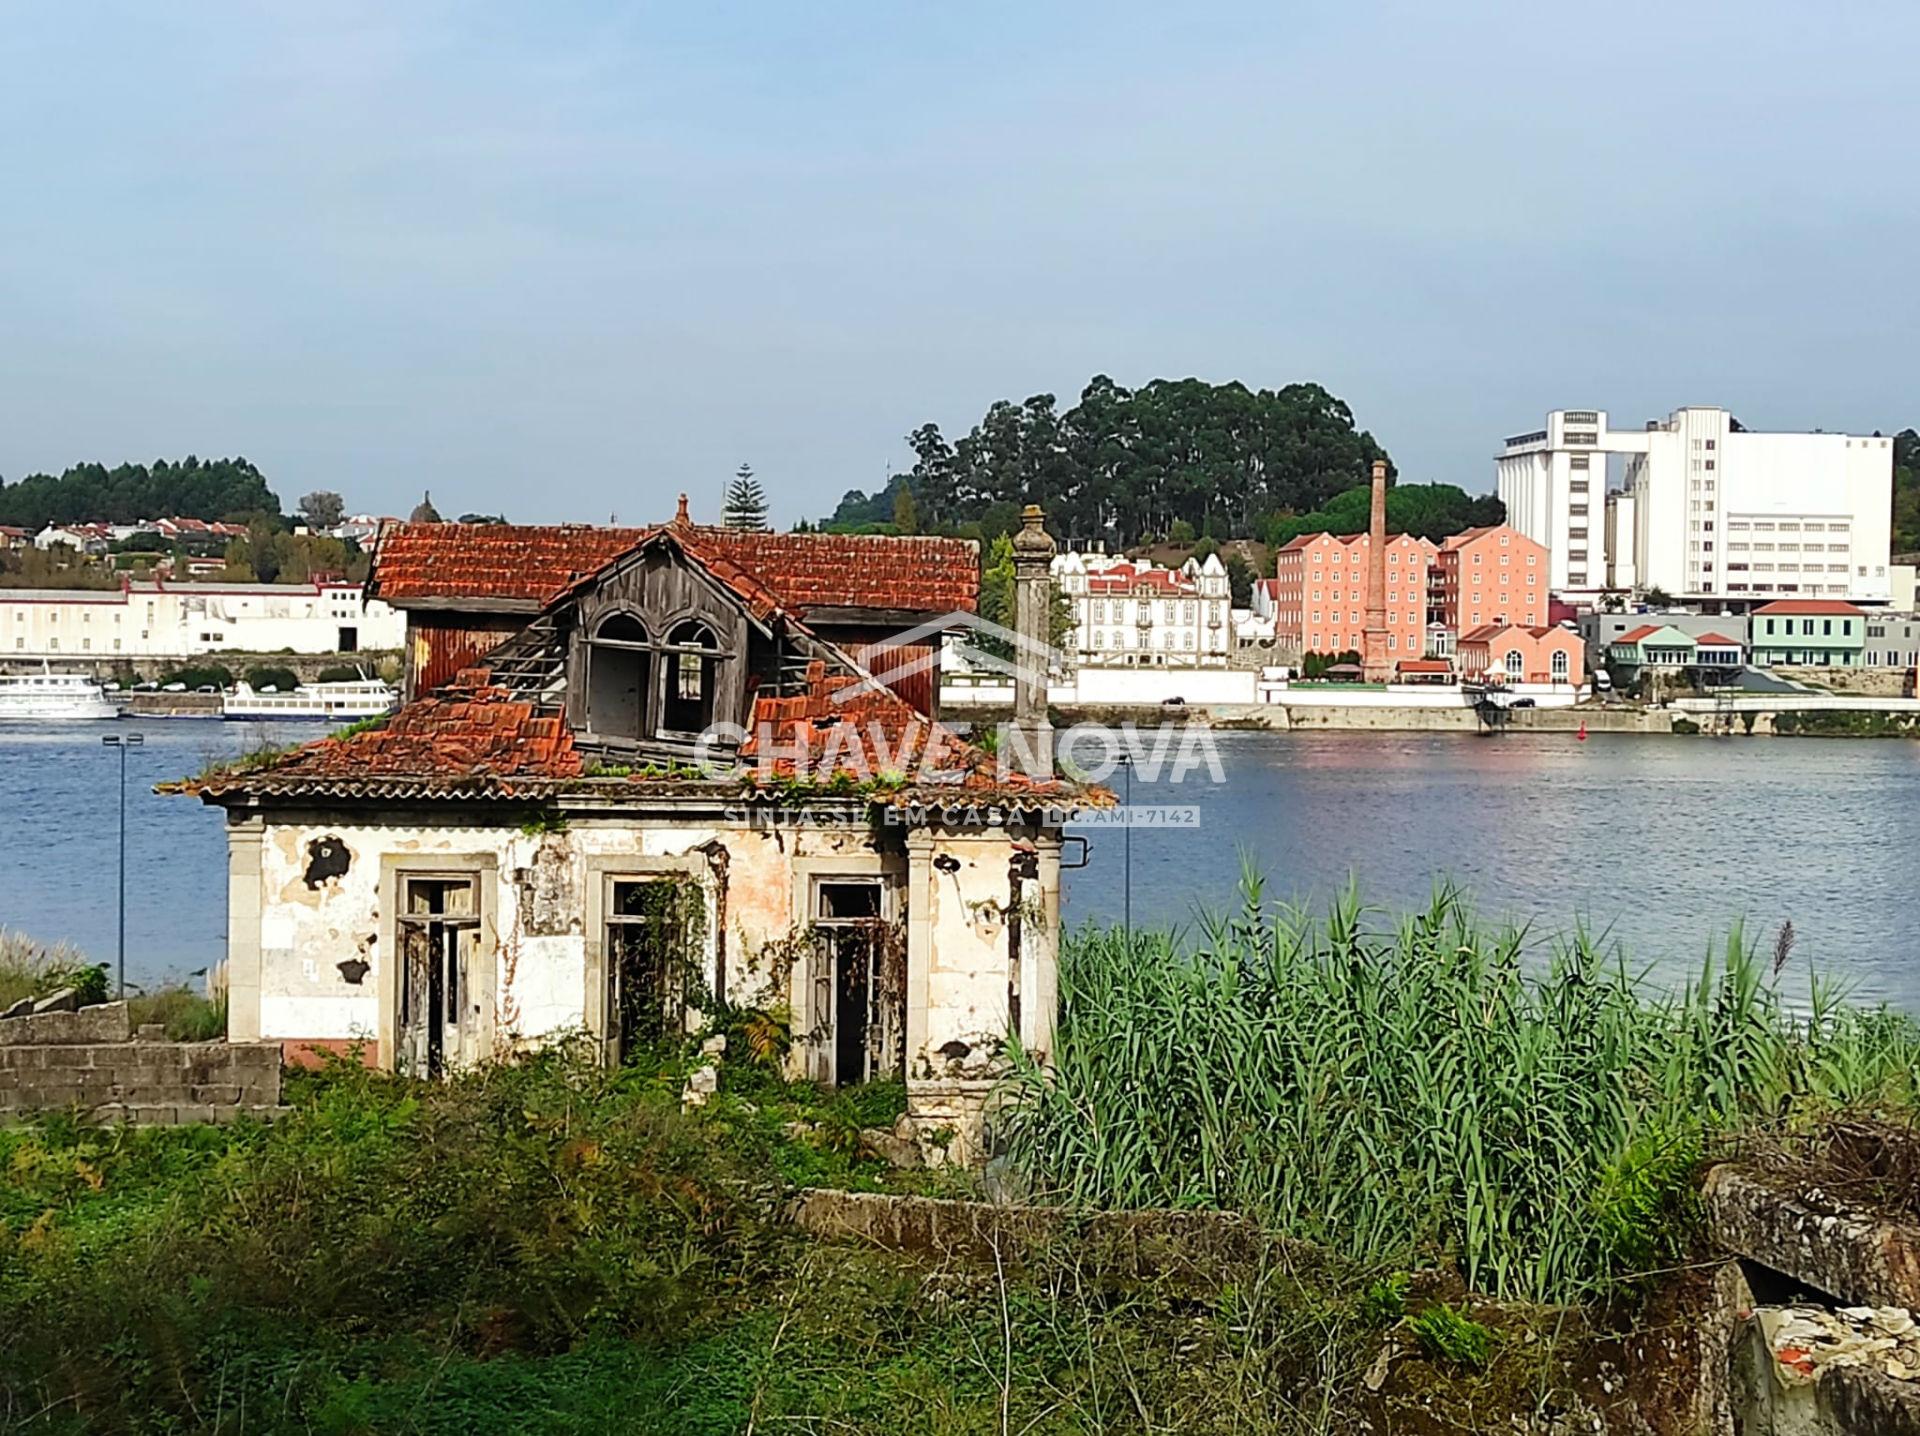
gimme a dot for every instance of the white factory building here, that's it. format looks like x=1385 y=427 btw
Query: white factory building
x=188 y=620
x=1704 y=509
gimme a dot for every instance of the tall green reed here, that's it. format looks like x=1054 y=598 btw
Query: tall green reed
x=1422 y=1091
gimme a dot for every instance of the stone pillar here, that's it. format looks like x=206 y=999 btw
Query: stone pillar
x=920 y=900
x=244 y=835
x=1040 y=954
x=1032 y=735
x=1376 y=661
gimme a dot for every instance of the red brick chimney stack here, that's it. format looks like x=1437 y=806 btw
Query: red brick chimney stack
x=1375 y=660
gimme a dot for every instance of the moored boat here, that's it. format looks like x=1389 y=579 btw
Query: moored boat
x=47 y=696
x=319 y=702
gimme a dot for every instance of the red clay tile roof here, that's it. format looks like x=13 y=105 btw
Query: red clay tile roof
x=1487 y=630
x=1634 y=635
x=1128 y=578
x=1393 y=536
x=470 y=730
x=525 y=565
x=761 y=601
x=1425 y=665
x=1811 y=608
x=1715 y=640
x=1467 y=536
x=871 y=734
x=473 y=740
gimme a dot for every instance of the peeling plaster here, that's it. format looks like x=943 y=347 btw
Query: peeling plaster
x=328 y=859
x=551 y=901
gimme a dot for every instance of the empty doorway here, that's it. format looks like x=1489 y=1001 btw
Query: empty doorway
x=439 y=923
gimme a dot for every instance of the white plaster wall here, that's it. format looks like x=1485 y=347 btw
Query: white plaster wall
x=968 y=976
x=306 y=932
x=540 y=981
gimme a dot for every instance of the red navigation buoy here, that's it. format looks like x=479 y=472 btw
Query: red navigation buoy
x=1582 y=734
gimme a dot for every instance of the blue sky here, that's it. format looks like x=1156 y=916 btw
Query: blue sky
x=567 y=260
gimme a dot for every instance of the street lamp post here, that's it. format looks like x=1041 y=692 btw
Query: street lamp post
x=123 y=742
x=1126 y=840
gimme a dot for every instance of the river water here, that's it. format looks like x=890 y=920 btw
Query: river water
x=1660 y=843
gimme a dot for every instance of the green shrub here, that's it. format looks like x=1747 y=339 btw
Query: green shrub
x=1453 y=1337
x=266 y=675
x=1384 y=1302
x=1846 y=723
x=1685 y=725
x=339 y=673
x=199 y=675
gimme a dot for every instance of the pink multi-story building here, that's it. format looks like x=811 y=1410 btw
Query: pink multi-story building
x=1320 y=597
x=1489 y=575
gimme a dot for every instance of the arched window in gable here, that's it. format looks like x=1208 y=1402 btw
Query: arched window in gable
x=693 y=664
x=619 y=666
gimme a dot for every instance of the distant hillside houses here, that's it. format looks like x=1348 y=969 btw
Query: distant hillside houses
x=97 y=538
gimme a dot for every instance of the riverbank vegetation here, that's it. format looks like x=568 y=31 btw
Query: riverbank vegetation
x=1430 y=1093
x=1846 y=723
x=1422 y=1117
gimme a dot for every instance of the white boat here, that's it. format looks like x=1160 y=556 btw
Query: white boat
x=321 y=702
x=48 y=696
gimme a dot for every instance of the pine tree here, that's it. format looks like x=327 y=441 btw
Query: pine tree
x=906 y=513
x=746 y=503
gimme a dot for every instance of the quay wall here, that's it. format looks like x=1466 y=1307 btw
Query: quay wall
x=113 y=667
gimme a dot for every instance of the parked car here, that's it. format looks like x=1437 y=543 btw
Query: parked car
x=1174 y=702
x=1521 y=703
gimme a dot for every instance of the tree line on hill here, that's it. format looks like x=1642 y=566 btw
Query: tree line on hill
x=1124 y=465
x=92 y=493
x=225 y=490
x=1906 y=492
x=1174 y=461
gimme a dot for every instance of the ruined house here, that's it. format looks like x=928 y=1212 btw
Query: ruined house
x=666 y=792
x=467 y=588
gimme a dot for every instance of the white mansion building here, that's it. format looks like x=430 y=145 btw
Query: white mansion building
x=1128 y=614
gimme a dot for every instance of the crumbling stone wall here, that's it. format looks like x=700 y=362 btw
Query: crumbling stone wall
x=90 y=1060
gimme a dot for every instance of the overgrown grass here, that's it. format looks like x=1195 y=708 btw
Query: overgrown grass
x=533 y=1208
x=188 y=1016
x=1424 y=1093
x=37 y=969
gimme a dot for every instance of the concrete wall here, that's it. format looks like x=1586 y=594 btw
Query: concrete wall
x=1865 y=682
x=1115 y=687
x=59 y=1060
